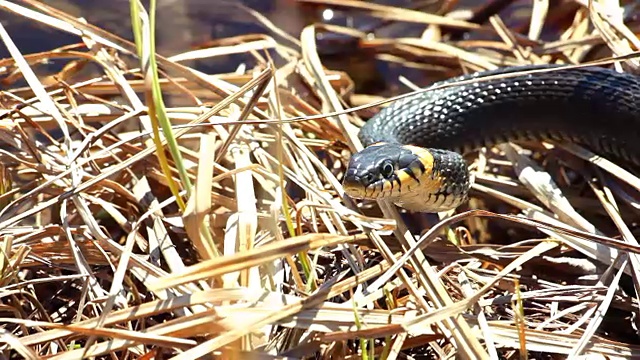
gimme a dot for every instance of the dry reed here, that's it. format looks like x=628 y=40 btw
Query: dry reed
x=236 y=240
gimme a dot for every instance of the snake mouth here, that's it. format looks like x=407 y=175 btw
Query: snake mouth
x=365 y=185
x=354 y=190
x=355 y=185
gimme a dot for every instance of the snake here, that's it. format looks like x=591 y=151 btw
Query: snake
x=414 y=148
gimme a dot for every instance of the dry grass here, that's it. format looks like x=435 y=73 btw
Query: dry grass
x=237 y=241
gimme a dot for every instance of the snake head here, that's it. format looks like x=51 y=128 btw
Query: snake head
x=381 y=170
x=412 y=177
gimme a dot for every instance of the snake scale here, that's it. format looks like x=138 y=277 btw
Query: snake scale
x=413 y=147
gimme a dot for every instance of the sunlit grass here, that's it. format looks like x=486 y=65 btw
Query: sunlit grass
x=132 y=227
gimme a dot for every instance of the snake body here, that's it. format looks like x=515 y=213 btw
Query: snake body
x=413 y=147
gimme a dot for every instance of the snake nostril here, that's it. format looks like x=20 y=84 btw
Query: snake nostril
x=367 y=178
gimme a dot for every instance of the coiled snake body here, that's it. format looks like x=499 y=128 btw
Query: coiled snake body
x=412 y=154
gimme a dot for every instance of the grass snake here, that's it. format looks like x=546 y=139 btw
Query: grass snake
x=413 y=147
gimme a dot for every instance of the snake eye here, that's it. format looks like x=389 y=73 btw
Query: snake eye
x=386 y=169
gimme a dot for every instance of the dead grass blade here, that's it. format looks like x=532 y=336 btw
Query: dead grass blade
x=253 y=257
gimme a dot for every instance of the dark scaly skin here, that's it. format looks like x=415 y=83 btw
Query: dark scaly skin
x=594 y=107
